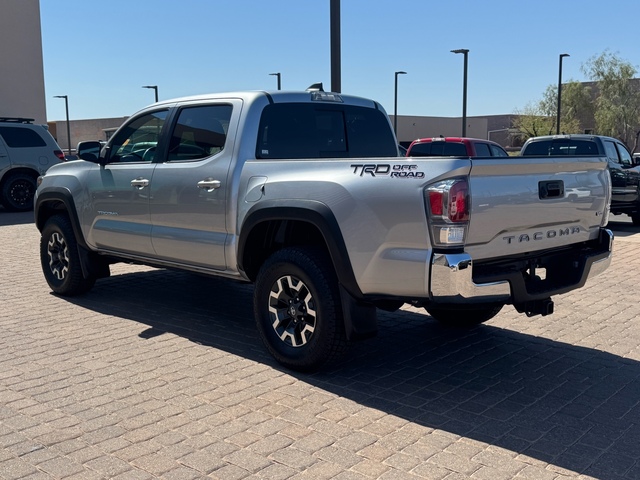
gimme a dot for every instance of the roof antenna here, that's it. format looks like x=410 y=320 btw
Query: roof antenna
x=316 y=87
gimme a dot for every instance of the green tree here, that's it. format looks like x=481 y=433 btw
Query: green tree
x=540 y=118
x=617 y=100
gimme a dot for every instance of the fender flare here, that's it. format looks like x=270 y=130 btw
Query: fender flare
x=59 y=195
x=315 y=213
x=64 y=196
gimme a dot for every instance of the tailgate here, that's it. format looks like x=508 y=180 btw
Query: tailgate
x=527 y=204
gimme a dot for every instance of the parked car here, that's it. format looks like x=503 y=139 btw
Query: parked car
x=624 y=170
x=455 y=147
x=27 y=150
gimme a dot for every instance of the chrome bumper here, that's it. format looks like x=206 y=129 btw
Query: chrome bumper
x=451 y=276
x=451 y=281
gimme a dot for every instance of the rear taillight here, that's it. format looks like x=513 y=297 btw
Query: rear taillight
x=59 y=154
x=448 y=209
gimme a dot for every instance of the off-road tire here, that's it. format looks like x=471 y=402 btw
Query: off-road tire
x=18 y=190
x=60 y=258
x=297 y=309
x=460 y=316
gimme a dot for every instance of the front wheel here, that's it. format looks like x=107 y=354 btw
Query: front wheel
x=464 y=316
x=18 y=190
x=60 y=258
x=635 y=218
x=297 y=309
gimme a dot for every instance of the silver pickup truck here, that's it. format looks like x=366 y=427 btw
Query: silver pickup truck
x=305 y=195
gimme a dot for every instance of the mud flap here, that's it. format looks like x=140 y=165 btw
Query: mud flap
x=360 y=318
x=92 y=264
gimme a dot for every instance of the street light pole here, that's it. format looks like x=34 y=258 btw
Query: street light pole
x=465 y=52
x=277 y=75
x=155 y=88
x=66 y=106
x=395 y=103
x=562 y=55
x=336 y=69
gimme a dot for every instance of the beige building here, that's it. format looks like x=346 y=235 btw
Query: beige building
x=491 y=127
x=22 y=80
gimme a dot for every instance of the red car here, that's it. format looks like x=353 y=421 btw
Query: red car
x=455 y=147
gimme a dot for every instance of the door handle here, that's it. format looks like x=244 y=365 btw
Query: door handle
x=140 y=183
x=551 y=189
x=209 y=184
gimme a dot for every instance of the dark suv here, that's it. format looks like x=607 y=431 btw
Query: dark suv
x=625 y=173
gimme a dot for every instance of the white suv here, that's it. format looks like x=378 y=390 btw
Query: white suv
x=27 y=150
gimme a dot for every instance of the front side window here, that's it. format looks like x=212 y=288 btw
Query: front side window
x=137 y=141
x=21 y=137
x=199 y=132
x=610 y=149
x=625 y=156
x=303 y=130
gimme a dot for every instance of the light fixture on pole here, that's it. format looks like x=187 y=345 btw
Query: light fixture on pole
x=155 y=88
x=395 y=103
x=66 y=106
x=465 y=52
x=279 y=77
x=562 y=55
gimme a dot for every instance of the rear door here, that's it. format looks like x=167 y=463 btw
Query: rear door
x=191 y=185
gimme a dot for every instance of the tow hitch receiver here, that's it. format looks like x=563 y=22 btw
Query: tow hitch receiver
x=536 y=307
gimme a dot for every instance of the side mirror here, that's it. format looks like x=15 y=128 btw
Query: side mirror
x=89 y=151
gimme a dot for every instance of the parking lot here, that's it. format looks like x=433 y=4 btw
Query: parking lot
x=161 y=374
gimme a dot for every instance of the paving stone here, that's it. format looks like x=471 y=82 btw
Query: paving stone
x=144 y=377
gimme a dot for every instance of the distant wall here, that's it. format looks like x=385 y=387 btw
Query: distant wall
x=82 y=130
x=22 y=80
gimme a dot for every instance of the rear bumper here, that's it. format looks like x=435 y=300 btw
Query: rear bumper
x=454 y=278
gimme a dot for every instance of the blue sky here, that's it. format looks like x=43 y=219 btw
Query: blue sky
x=100 y=53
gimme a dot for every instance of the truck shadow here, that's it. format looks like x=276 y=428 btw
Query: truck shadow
x=14 y=218
x=574 y=407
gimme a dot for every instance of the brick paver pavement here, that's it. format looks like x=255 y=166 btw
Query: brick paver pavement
x=158 y=374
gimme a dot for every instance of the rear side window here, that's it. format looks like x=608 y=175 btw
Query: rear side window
x=498 y=151
x=21 y=137
x=562 y=147
x=301 y=130
x=199 y=132
x=482 y=150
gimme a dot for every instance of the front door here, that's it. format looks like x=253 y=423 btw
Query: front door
x=119 y=191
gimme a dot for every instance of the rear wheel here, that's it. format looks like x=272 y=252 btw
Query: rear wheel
x=297 y=309
x=60 y=258
x=18 y=190
x=464 y=316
